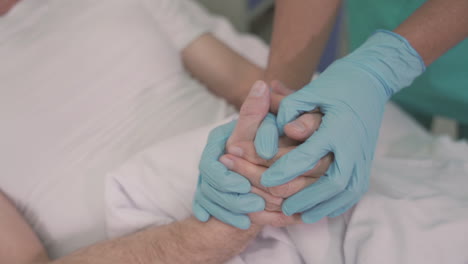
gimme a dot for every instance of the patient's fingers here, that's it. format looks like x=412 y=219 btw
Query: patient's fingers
x=251 y=114
x=276 y=219
x=296 y=131
x=254 y=173
x=272 y=203
x=249 y=152
x=304 y=126
x=249 y=170
x=301 y=182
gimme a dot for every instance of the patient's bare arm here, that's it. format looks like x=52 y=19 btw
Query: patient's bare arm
x=18 y=242
x=188 y=241
x=225 y=72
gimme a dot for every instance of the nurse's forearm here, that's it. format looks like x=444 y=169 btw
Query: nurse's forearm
x=435 y=27
x=188 y=241
x=300 y=32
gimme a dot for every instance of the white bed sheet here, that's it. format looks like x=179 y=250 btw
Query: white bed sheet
x=414 y=211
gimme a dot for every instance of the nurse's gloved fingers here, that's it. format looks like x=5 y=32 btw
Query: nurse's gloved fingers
x=212 y=170
x=292 y=187
x=337 y=203
x=199 y=212
x=272 y=203
x=254 y=172
x=297 y=161
x=246 y=150
x=218 y=137
x=253 y=111
x=240 y=221
x=245 y=168
x=306 y=179
x=320 y=192
x=291 y=107
x=276 y=219
x=266 y=139
x=304 y=126
x=321 y=167
x=236 y=203
x=278 y=92
x=220 y=178
x=358 y=185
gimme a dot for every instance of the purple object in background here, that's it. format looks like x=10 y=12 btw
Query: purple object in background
x=331 y=49
x=252 y=4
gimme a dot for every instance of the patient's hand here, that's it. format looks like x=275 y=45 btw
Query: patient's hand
x=243 y=159
x=224 y=193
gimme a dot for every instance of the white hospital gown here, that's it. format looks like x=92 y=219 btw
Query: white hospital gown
x=86 y=84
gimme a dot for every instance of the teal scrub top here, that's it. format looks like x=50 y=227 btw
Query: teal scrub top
x=443 y=89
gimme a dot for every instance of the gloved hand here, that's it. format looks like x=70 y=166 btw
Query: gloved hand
x=228 y=196
x=225 y=194
x=351 y=94
x=216 y=183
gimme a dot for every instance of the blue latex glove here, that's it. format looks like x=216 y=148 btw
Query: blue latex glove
x=225 y=194
x=351 y=94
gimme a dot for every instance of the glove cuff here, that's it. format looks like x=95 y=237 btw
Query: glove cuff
x=391 y=58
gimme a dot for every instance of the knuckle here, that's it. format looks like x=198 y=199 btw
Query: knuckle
x=280 y=220
x=280 y=191
x=273 y=204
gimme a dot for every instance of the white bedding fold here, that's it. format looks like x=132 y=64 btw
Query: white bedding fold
x=415 y=210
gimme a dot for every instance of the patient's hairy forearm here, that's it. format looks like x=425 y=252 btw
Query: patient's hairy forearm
x=188 y=241
x=18 y=242
x=225 y=72
x=300 y=32
x=435 y=27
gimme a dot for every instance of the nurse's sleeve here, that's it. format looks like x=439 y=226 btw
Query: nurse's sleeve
x=182 y=20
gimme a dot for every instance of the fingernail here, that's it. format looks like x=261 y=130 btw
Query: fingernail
x=258 y=89
x=229 y=163
x=236 y=151
x=298 y=126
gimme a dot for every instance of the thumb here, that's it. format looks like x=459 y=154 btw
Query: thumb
x=292 y=107
x=251 y=114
